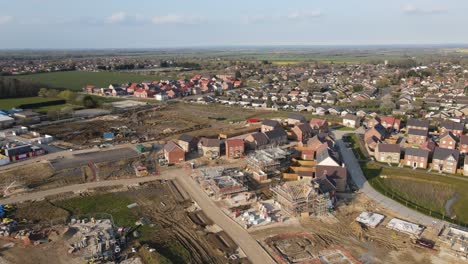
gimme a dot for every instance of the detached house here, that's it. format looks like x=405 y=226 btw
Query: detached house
x=302 y=132
x=463 y=146
x=445 y=160
x=188 y=143
x=277 y=137
x=390 y=123
x=417 y=124
x=234 y=148
x=209 y=147
x=296 y=118
x=318 y=125
x=388 y=153
x=336 y=175
x=416 y=158
x=268 y=125
x=448 y=141
x=351 y=121
x=417 y=136
x=256 y=141
x=173 y=153
x=378 y=132
x=449 y=126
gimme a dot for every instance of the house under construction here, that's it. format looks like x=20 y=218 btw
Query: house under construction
x=302 y=197
x=268 y=160
x=223 y=182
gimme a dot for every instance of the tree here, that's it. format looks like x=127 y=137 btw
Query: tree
x=269 y=102
x=42 y=92
x=382 y=83
x=358 y=88
x=238 y=75
x=89 y=102
x=67 y=95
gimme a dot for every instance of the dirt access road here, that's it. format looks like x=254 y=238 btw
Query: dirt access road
x=247 y=243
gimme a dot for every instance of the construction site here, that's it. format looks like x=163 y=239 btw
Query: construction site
x=302 y=198
x=150 y=124
x=221 y=182
x=156 y=220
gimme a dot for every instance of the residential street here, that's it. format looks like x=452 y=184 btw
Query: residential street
x=359 y=179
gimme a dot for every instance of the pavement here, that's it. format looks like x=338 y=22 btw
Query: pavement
x=247 y=243
x=354 y=170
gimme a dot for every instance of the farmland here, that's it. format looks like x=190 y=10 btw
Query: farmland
x=76 y=80
x=15 y=102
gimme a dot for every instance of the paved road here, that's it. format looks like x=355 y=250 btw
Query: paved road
x=251 y=248
x=247 y=243
x=360 y=180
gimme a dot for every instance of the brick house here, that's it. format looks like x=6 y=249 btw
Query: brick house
x=449 y=126
x=416 y=158
x=209 y=147
x=377 y=131
x=448 y=140
x=234 y=148
x=173 y=153
x=268 y=125
x=277 y=137
x=463 y=146
x=373 y=122
x=188 y=143
x=390 y=123
x=334 y=174
x=388 y=153
x=319 y=125
x=465 y=166
x=351 y=121
x=256 y=141
x=302 y=132
x=445 y=160
x=417 y=136
x=417 y=124
x=295 y=118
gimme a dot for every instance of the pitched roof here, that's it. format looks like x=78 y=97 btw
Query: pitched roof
x=276 y=133
x=327 y=153
x=210 y=142
x=393 y=148
x=234 y=142
x=296 y=117
x=186 y=138
x=443 y=153
x=464 y=139
x=270 y=123
x=417 y=132
x=418 y=123
x=451 y=125
x=449 y=135
x=417 y=152
x=351 y=117
x=171 y=146
x=260 y=138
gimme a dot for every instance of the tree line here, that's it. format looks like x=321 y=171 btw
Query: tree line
x=11 y=88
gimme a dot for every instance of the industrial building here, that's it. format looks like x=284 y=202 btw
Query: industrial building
x=299 y=198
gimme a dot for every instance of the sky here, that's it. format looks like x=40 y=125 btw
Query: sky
x=100 y=24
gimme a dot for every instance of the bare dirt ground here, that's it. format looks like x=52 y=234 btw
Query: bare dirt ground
x=372 y=245
x=168 y=227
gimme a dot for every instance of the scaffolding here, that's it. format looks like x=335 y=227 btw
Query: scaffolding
x=268 y=160
x=301 y=197
x=223 y=181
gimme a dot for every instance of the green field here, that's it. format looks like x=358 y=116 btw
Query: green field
x=420 y=190
x=76 y=80
x=14 y=102
x=45 y=109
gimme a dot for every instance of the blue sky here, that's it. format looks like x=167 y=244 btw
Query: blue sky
x=188 y=23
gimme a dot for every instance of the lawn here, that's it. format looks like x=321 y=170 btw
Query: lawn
x=76 y=80
x=419 y=190
x=45 y=109
x=15 y=102
x=111 y=203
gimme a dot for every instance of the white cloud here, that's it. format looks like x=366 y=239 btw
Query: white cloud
x=118 y=17
x=293 y=16
x=175 y=19
x=5 y=19
x=304 y=15
x=414 y=10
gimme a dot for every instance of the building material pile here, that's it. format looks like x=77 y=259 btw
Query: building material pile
x=222 y=182
x=370 y=219
x=406 y=227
